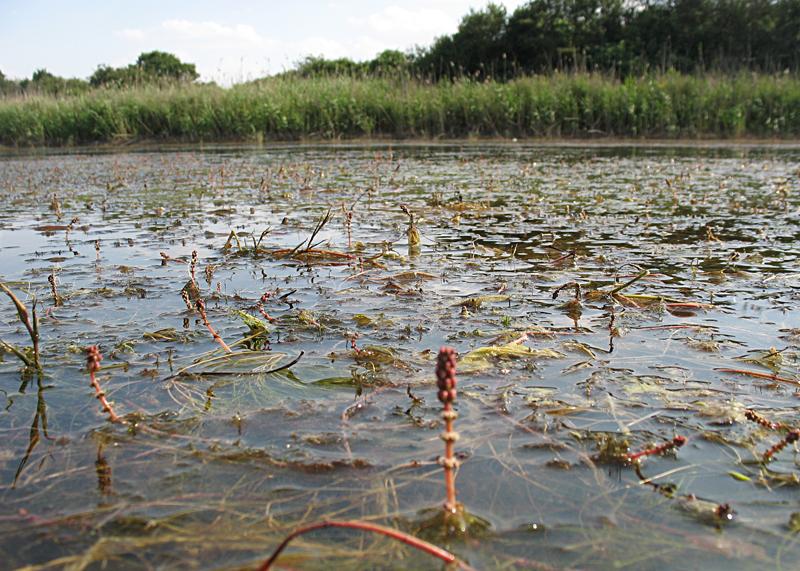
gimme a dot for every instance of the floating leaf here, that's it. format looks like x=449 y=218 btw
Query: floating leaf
x=771 y=359
x=476 y=302
x=255 y=324
x=169 y=334
x=362 y=320
x=375 y=354
x=480 y=358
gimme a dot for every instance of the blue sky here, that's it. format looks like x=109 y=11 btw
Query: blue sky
x=229 y=40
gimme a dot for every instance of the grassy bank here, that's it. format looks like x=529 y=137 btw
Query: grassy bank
x=668 y=106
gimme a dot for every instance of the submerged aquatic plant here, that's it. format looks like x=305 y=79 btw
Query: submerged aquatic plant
x=446 y=384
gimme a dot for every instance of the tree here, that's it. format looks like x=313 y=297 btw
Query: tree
x=150 y=67
x=163 y=65
x=389 y=62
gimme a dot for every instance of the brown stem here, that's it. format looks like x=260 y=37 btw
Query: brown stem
x=201 y=309
x=449 y=461
x=19 y=354
x=35 y=335
x=790 y=438
x=630 y=282
x=446 y=383
x=676 y=442
x=193 y=266
x=260 y=307
x=22 y=312
x=93 y=359
x=759 y=375
x=753 y=416
x=398 y=535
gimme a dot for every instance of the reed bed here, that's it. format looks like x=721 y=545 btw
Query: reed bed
x=291 y=108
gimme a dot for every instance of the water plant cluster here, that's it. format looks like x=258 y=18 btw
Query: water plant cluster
x=213 y=355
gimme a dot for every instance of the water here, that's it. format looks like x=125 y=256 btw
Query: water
x=220 y=458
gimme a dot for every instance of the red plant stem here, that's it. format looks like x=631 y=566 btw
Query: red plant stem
x=688 y=305
x=398 y=535
x=759 y=375
x=260 y=307
x=676 y=442
x=449 y=461
x=93 y=358
x=446 y=382
x=753 y=416
x=793 y=436
x=201 y=309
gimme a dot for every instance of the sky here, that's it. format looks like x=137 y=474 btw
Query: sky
x=229 y=40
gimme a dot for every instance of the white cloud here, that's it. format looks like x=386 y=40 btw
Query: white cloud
x=228 y=52
x=400 y=28
x=211 y=31
x=131 y=34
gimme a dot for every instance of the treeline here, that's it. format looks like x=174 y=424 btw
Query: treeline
x=618 y=37
x=150 y=68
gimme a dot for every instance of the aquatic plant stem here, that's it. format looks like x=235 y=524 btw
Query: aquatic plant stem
x=758 y=375
x=93 y=358
x=449 y=462
x=398 y=535
x=193 y=267
x=17 y=353
x=446 y=382
x=753 y=416
x=636 y=278
x=676 y=442
x=790 y=438
x=260 y=307
x=32 y=327
x=201 y=309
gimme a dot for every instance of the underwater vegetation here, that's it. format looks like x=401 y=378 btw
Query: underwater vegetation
x=229 y=358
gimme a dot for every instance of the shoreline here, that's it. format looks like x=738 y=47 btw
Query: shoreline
x=155 y=145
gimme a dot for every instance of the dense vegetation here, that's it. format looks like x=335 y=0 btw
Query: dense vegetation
x=611 y=36
x=621 y=37
x=669 y=105
x=550 y=68
x=151 y=68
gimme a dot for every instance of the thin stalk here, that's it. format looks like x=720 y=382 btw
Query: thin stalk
x=759 y=375
x=630 y=282
x=446 y=382
x=33 y=329
x=93 y=358
x=201 y=309
x=395 y=534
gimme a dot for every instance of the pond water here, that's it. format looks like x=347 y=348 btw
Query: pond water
x=595 y=296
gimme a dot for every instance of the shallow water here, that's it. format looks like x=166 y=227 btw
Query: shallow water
x=219 y=458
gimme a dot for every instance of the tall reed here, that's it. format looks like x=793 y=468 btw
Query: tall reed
x=291 y=108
